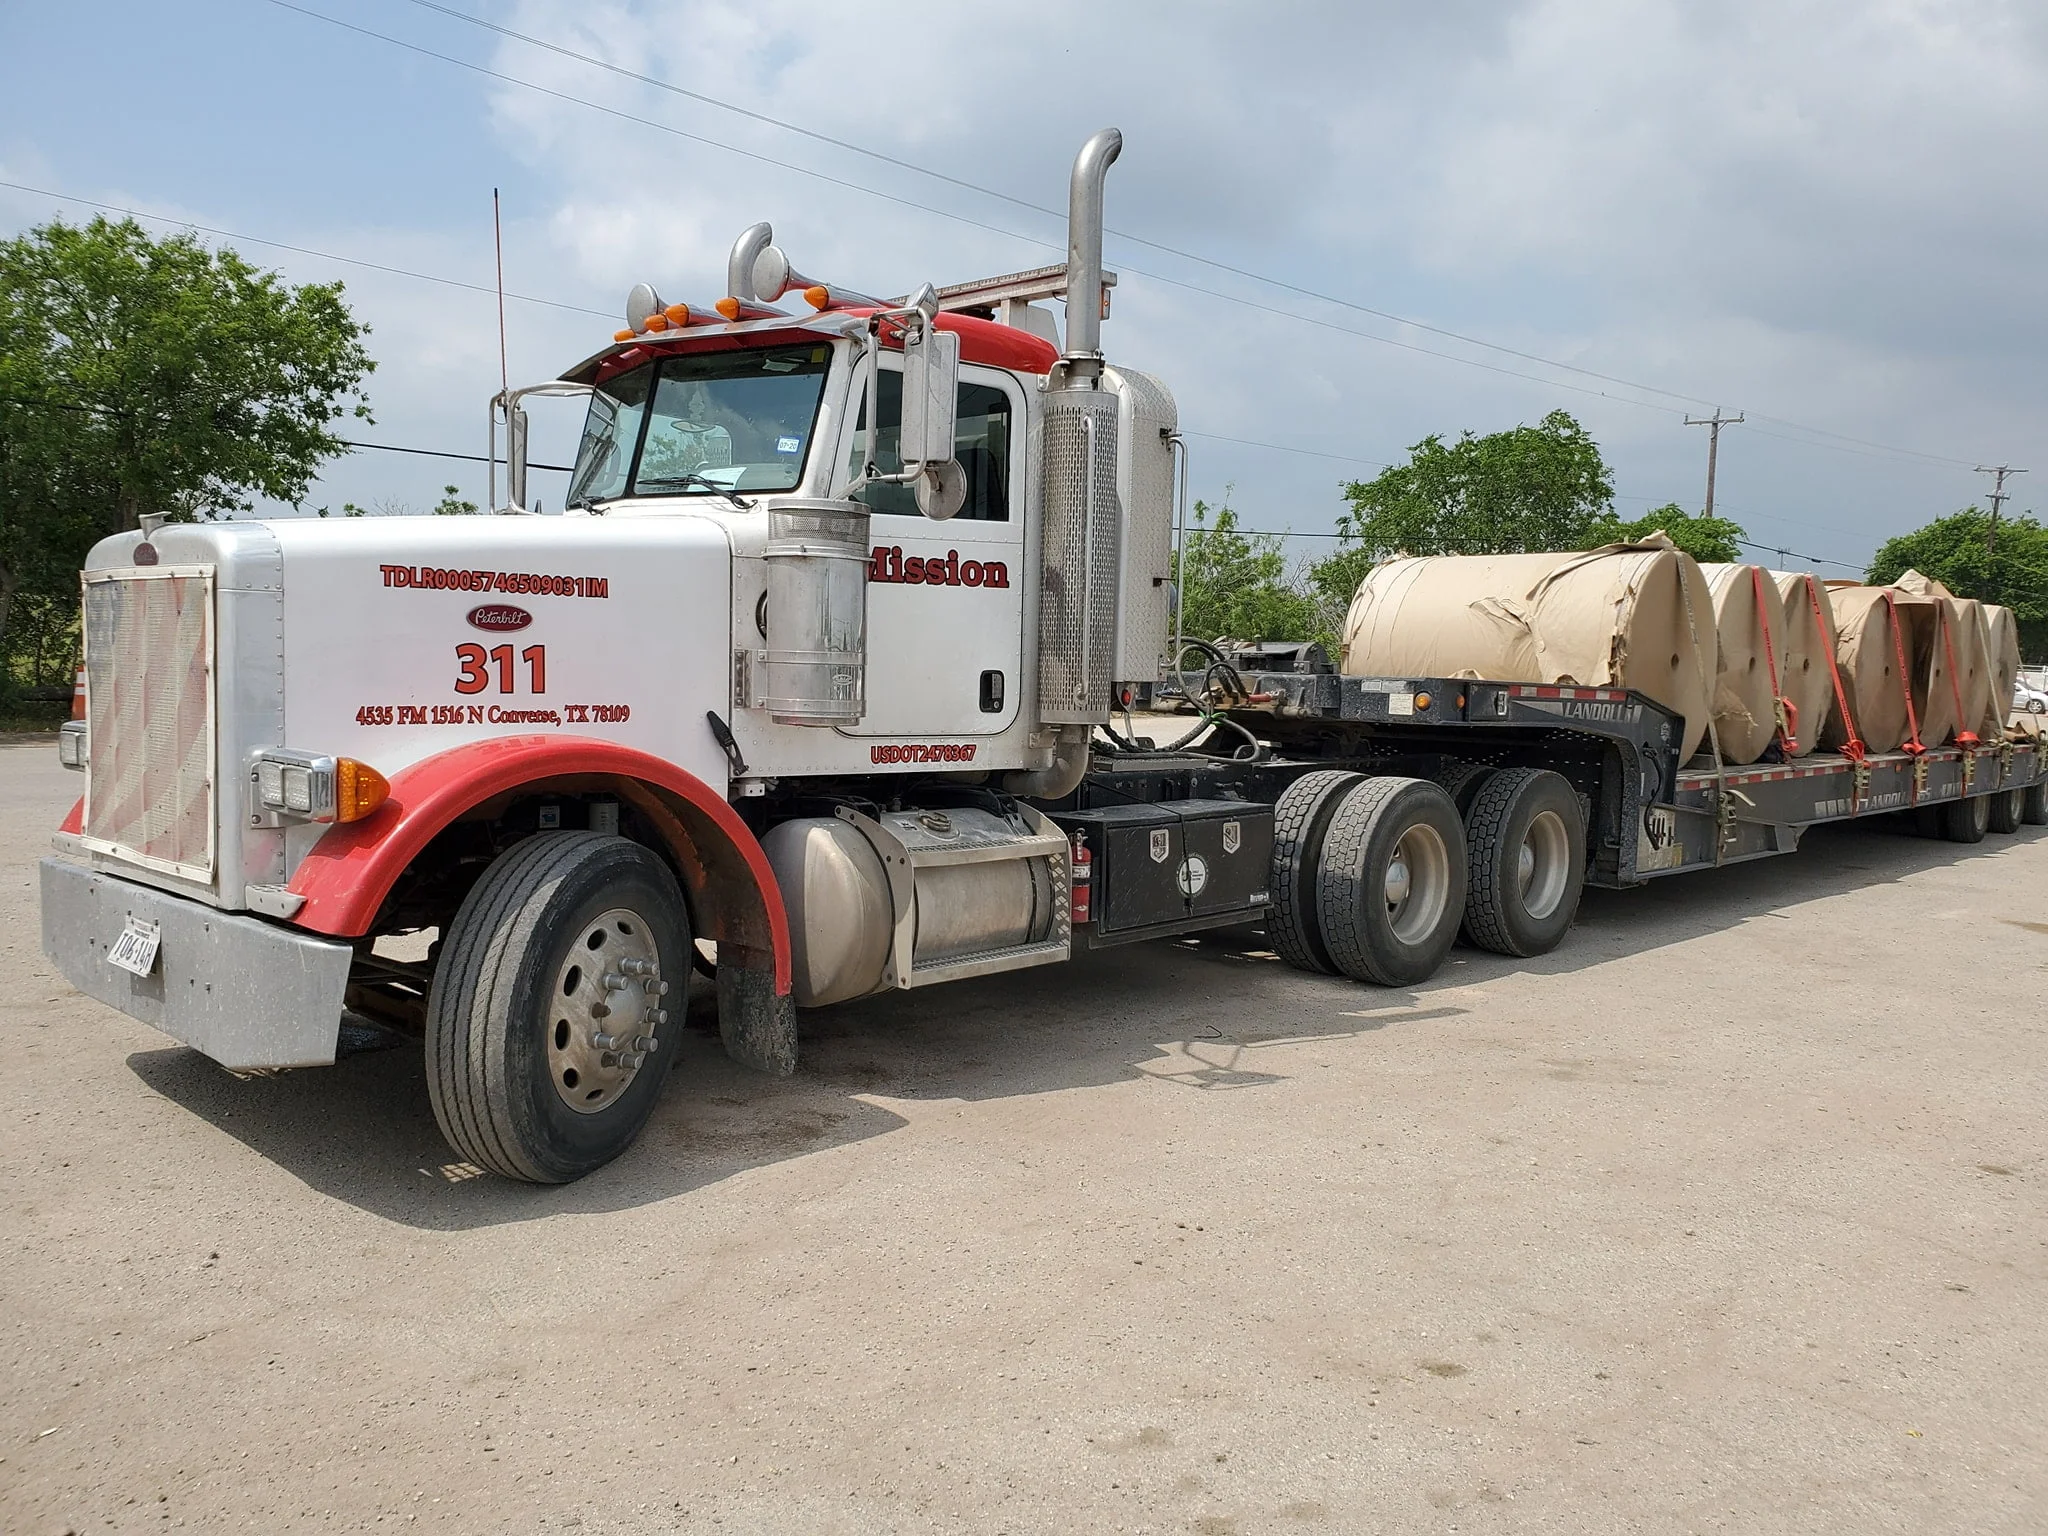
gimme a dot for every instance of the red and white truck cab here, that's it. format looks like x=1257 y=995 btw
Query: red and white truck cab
x=779 y=677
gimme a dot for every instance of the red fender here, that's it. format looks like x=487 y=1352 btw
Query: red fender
x=352 y=869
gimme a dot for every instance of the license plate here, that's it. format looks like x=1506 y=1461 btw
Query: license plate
x=135 y=950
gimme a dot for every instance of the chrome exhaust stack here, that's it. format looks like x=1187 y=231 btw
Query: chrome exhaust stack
x=1082 y=519
x=1084 y=255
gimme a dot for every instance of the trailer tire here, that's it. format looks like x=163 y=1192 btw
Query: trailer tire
x=518 y=1081
x=2034 y=805
x=1966 y=821
x=1390 y=885
x=1525 y=862
x=2006 y=807
x=1463 y=783
x=1301 y=818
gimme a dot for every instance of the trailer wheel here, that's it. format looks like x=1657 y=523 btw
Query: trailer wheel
x=1463 y=783
x=1525 y=862
x=1966 y=821
x=1301 y=817
x=2034 y=805
x=2006 y=808
x=1390 y=885
x=547 y=1041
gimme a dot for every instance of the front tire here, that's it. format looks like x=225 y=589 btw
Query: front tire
x=1525 y=862
x=547 y=1036
x=1390 y=886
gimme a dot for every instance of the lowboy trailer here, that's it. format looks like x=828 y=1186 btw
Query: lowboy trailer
x=815 y=683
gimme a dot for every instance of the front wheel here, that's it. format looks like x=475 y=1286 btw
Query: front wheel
x=1390 y=886
x=547 y=1032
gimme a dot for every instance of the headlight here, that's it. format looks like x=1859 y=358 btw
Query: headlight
x=73 y=747
x=314 y=788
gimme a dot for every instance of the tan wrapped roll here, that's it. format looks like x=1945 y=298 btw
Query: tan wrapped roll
x=1976 y=676
x=1623 y=616
x=2003 y=629
x=1864 y=654
x=1748 y=612
x=1809 y=643
x=1926 y=612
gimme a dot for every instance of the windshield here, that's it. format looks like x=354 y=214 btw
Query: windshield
x=737 y=420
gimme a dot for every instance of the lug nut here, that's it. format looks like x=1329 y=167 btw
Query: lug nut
x=608 y=1060
x=661 y=989
x=646 y=1043
x=613 y=981
x=603 y=1041
x=629 y=1061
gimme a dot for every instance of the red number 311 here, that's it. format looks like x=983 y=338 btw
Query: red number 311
x=476 y=664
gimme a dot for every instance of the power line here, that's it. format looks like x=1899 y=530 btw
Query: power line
x=443 y=453
x=303 y=250
x=1040 y=208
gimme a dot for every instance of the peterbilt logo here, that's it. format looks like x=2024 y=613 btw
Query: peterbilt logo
x=499 y=617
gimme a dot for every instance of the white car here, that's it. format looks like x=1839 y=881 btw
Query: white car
x=2029 y=699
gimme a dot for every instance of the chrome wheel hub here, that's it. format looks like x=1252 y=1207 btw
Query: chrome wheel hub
x=1543 y=865
x=605 y=1009
x=1418 y=884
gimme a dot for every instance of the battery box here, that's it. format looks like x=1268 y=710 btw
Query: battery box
x=1158 y=869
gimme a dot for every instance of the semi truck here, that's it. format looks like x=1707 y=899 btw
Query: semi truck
x=825 y=680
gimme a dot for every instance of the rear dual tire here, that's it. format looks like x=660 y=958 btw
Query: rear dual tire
x=1390 y=884
x=1525 y=839
x=2008 y=810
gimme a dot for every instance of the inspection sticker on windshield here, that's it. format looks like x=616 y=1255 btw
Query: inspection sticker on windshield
x=135 y=950
x=788 y=444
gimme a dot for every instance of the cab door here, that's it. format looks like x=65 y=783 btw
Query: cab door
x=946 y=600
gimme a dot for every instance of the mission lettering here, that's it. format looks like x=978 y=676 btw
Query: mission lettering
x=888 y=564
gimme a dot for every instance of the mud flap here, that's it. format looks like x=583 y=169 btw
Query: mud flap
x=757 y=1024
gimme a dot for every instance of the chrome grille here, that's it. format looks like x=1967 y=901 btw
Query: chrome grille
x=149 y=700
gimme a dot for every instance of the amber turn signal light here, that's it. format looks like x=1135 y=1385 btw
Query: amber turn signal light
x=358 y=789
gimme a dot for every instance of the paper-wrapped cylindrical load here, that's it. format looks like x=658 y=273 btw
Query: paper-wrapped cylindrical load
x=1808 y=645
x=1866 y=658
x=1926 y=617
x=1976 y=677
x=1748 y=613
x=1623 y=616
x=2004 y=641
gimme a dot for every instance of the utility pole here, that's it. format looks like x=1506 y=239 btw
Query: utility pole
x=1713 y=424
x=1997 y=498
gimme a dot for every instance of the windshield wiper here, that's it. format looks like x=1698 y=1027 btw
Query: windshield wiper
x=693 y=478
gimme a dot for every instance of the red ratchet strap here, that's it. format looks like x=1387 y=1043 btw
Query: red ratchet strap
x=1964 y=739
x=1912 y=746
x=1853 y=749
x=1788 y=712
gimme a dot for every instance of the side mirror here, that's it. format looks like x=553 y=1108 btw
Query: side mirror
x=931 y=394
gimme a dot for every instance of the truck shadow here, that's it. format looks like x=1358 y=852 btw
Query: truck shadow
x=1209 y=1014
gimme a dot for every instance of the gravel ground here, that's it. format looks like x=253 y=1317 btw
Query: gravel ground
x=1729 y=1216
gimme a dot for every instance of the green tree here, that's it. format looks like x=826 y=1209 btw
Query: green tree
x=451 y=504
x=1711 y=540
x=1961 y=553
x=1540 y=487
x=1237 y=584
x=155 y=376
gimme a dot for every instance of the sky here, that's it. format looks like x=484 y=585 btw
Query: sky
x=1337 y=227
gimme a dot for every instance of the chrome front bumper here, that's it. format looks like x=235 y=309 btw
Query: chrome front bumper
x=246 y=992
